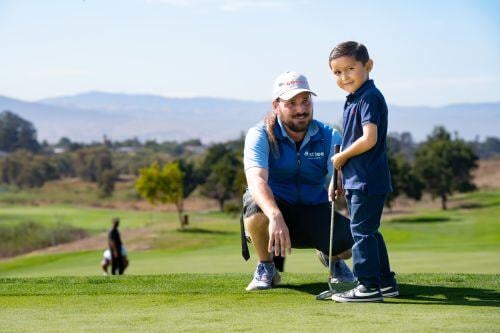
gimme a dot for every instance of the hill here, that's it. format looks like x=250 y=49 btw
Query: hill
x=89 y=116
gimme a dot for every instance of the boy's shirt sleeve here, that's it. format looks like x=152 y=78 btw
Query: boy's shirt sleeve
x=370 y=109
x=256 y=151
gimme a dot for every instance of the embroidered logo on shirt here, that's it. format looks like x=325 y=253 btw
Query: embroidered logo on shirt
x=314 y=155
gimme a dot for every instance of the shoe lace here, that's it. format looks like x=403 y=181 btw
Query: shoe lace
x=263 y=272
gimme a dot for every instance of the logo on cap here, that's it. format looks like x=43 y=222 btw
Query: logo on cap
x=289 y=84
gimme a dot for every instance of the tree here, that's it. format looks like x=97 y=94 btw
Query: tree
x=403 y=178
x=91 y=162
x=401 y=144
x=106 y=182
x=163 y=185
x=17 y=133
x=192 y=177
x=400 y=154
x=487 y=149
x=445 y=165
x=95 y=164
x=221 y=165
x=25 y=169
x=66 y=144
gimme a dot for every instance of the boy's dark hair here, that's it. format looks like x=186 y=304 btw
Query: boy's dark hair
x=350 y=49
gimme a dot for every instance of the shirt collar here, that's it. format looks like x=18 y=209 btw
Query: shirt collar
x=364 y=87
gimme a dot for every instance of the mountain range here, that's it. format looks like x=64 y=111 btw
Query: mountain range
x=89 y=116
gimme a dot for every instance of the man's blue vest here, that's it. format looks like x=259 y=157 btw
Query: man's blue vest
x=300 y=177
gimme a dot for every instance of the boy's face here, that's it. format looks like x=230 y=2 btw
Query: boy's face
x=350 y=73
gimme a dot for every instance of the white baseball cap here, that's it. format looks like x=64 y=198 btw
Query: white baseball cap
x=290 y=84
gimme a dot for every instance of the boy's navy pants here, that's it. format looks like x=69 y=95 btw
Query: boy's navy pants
x=369 y=253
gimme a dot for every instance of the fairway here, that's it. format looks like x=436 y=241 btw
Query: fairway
x=218 y=302
x=91 y=219
x=464 y=239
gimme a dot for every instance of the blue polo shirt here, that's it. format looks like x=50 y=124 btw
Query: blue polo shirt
x=369 y=171
x=297 y=177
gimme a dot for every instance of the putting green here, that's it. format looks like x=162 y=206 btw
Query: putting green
x=218 y=302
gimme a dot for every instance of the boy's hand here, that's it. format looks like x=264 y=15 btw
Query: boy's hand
x=339 y=160
x=339 y=192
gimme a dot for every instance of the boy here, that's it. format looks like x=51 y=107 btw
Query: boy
x=365 y=172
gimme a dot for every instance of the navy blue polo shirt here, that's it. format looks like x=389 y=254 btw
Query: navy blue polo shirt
x=369 y=171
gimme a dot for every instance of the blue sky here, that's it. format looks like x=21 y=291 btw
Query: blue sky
x=425 y=52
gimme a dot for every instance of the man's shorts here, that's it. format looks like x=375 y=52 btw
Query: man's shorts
x=309 y=225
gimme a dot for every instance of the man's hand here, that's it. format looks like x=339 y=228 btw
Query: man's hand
x=279 y=236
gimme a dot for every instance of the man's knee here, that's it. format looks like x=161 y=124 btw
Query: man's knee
x=256 y=227
x=344 y=255
x=256 y=222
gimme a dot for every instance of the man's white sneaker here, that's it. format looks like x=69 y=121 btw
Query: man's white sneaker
x=340 y=271
x=265 y=277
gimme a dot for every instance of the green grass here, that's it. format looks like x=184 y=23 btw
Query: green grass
x=218 y=302
x=67 y=191
x=91 y=219
x=461 y=240
x=472 y=226
x=200 y=277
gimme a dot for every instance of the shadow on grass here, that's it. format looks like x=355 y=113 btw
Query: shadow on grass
x=205 y=231
x=469 y=205
x=419 y=294
x=316 y=287
x=421 y=219
x=474 y=205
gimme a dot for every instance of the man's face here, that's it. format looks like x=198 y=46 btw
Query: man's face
x=350 y=73
x=295 y=113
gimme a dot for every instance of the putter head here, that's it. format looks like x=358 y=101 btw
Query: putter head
x=325 y=295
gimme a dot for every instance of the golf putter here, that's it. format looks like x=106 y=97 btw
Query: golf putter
x=327 y=294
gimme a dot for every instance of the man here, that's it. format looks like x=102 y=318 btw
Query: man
x=287 y=163
x=116 y=248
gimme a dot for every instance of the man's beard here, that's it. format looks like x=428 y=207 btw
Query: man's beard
x=297 y=128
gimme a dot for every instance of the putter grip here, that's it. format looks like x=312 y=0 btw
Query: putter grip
x=336 y=149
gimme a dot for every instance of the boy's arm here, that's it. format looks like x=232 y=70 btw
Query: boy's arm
x=364 y=143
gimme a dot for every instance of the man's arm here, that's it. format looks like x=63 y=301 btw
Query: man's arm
x=361 y=145
x=279 y=236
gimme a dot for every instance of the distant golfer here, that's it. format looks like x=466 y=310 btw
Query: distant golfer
x=118 y=257
x=107 y=257
x=287 y=166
